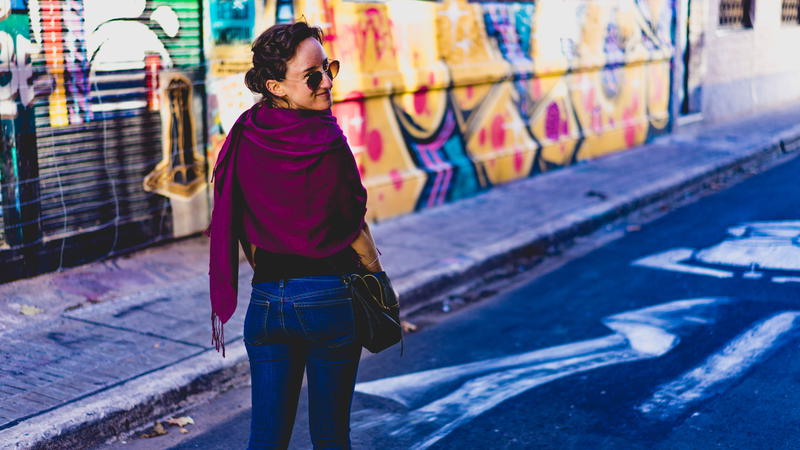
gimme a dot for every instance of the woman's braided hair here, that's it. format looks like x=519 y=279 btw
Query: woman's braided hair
x=271 y=50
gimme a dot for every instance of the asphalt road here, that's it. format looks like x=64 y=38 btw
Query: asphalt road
x=680 y=334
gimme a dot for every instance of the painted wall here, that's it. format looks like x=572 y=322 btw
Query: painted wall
x=749 y=70
x=441 y=100
x=102 y=129
x=113 y=111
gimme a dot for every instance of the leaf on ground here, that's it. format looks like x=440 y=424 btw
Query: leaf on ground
x=408 y=326
x=158 y=430
x=183 y=430
x=180 y=421
x=30 y=310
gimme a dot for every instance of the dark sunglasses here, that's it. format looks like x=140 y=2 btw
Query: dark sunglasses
x=314 y=79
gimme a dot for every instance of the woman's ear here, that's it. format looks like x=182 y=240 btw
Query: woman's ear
x=275 y=88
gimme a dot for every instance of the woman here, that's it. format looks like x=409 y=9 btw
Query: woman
x=288 y=190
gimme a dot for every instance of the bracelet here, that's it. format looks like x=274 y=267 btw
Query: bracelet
x=371 y=262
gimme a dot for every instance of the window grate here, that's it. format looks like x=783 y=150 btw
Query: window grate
x=736 y=13
x=790 y=11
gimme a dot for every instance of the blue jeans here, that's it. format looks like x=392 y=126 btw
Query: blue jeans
x=291 y=325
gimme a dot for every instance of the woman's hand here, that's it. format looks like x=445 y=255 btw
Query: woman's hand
x=368 y=254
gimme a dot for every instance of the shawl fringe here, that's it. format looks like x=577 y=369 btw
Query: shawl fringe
x=217 y=333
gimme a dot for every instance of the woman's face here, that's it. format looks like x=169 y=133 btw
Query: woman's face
x=309 y=57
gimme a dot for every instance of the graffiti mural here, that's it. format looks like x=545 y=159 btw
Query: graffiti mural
x=113 y=111
x=85 y=83
x=19 y=193
x=509 y=89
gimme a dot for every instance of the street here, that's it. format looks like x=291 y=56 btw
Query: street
x=681 y=334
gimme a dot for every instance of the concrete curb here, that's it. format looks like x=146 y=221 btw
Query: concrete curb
x=92 y=420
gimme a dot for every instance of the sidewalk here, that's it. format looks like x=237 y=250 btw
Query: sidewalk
x=117 y=343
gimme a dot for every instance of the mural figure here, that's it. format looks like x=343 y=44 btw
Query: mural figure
x=16 y=67
x=117 y=40
x=19 y=168
x=180 y=173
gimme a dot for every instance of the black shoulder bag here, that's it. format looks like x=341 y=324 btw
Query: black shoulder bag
x=376 y=309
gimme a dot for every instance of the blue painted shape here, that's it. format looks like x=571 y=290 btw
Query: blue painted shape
x=232 y=21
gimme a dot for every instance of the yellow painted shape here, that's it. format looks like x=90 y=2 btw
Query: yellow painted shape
x=362 y=39
x=622 y=121
x=590 y=48
x=421 y=113
x=58 y=102
x=633 y=28
x=557 y=146
x=316 y=12
x=419 y=62
x=499 y=141
x=467 y=98
x=392 y=180
x=465 y=46
x=230 y=59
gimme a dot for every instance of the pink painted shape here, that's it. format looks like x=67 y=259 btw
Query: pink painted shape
x=434 y=189
x=397 y=179
x=374 y=145
x=597 y=120
x=498 y=132
x=630 y=135
x=552 y=121
x=536 y=88
x=421 y=100
x=518 y=161
x=629 y=119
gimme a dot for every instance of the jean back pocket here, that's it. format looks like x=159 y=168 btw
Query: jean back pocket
x=255 y=323
x=327 y=321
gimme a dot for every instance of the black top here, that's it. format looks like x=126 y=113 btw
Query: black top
x=276 y=266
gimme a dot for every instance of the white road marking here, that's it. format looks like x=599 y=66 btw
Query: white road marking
x=753 y=245
x=476 y=387
x=721 y=368
x=786 y=279
x=671 y=260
